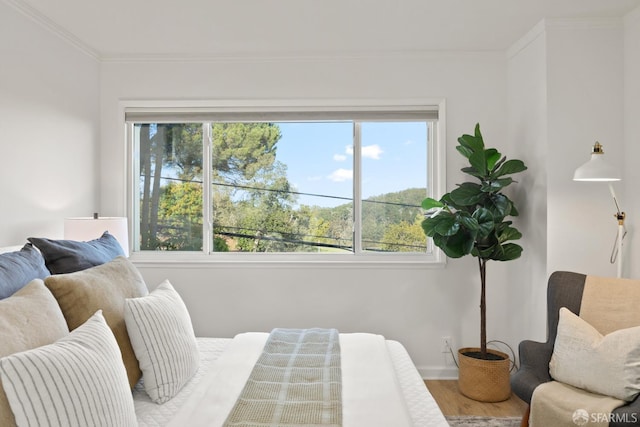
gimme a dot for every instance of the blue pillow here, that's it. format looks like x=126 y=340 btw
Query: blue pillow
x=19 y=268
x=68 y=256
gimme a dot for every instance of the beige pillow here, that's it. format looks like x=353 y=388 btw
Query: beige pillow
x=584 y=358
x=29 y=318
x=104 y=287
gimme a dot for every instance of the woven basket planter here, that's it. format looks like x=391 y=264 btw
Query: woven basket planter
x=484 y=380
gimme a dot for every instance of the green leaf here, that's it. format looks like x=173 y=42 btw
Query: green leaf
x=428 y=226
x=465 y=151
x=509 y=167
x=467 y=194
x=499 y=205
x=509 y=251
x=478 y=161
x=492 y=156
x=446 y=199
x=443 y=224
x=467 y=221
x=472 y=143
x=477 y=131
x=473 y=172
x=446 y=225
x=509 y=233
x=498 y=164
x=455 y=246
x=430 y=203
x=484 y=217
x=493 y=186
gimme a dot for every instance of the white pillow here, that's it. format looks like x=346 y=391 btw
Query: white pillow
x=79 y=380
x=584 y=358
x=162 y=337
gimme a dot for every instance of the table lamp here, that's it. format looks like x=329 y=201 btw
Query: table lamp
x=89 y=228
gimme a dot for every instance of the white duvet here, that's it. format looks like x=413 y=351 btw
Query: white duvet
x=381 y=386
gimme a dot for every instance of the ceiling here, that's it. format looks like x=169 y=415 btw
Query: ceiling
x=212 y=28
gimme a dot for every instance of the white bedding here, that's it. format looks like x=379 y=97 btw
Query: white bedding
x=416 y=403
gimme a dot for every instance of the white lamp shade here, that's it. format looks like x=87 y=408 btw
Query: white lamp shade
x=87 y=228
x=596 y=169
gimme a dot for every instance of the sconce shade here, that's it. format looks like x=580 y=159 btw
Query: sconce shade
x=596 y=169
x=87 y=228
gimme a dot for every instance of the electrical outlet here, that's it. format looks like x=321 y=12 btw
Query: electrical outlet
x=446 y=344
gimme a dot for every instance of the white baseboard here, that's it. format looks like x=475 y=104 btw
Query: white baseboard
x=438 y=373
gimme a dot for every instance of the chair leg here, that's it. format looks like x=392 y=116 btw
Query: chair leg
x=525 y=418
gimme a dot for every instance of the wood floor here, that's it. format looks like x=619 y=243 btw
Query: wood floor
x=451 y=402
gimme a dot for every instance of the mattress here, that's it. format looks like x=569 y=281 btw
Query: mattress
x=422 y=407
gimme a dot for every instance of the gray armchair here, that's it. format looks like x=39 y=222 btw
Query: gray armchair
x=565 y=289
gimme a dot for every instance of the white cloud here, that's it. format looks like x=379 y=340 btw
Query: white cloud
x=372 y=151
x=368 y=151
x=339 y=157
x=341 y=175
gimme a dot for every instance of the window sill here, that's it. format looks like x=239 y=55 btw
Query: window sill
x=368 y=261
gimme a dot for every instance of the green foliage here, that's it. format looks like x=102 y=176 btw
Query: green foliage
x=404 y=237
x=240 y=150
x=471 y=218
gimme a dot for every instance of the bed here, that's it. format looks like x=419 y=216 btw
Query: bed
x=380 y=386
x=420 y=405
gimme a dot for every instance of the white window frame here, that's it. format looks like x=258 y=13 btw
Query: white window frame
x=436 y=174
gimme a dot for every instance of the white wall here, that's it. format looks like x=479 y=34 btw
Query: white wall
x=527 y=135
x=565 y=91
x=49 y=116
x=414 y=305
x=631 y=201
x=585 y=104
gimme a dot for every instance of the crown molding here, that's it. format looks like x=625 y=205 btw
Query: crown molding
x=294 y=56
x=632 y=17
x=563 y=24
x=584 y=23
x=527 y=39
x=46 y=23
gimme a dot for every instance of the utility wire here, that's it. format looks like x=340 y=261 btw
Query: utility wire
x=298 y=193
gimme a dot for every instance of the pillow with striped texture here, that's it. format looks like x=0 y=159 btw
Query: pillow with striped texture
x=163 y=340
x=79 y=380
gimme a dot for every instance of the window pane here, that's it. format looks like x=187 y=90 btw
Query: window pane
x=394 y=183
x=282 y=187
x=170 y=182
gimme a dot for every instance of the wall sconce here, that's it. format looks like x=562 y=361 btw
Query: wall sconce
x=597 y=170
x=89 y=228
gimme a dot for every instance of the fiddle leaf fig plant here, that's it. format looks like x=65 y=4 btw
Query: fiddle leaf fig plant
x=473 y=218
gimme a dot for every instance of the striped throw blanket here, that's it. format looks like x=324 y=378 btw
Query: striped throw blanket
x=295 y=382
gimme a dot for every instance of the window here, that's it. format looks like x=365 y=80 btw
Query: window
x=294 y=182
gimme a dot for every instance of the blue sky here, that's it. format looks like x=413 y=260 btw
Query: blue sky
x=319 y=157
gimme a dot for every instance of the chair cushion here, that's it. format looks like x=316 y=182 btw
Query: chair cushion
x=610 y=303
x=584 y=358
